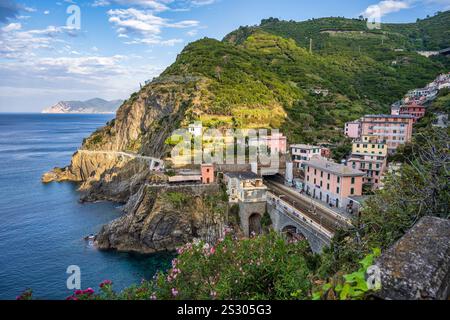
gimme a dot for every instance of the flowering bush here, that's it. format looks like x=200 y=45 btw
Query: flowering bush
x=26 y=295
x=264 y=267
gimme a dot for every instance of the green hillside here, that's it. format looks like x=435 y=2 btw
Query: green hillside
x=264 y=76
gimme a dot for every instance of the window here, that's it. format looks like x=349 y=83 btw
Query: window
x=339 y=180
x=337 y=190
x=353 y=180
x=314 y=181
x=321 y=184
x=352 y=191
x=321 y=174
x=315 y=171
x=329 y=176
x=307 y=178
x=328 y=186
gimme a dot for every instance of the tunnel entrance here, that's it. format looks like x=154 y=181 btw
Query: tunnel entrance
x=254 y=224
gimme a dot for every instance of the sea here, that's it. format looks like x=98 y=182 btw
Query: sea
x=43 y=226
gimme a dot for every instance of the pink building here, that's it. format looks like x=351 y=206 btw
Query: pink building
x=394 y=130
x=207 y=173
x=276 y=142
x=373 y=166
x=353 y=129
x=332 y=183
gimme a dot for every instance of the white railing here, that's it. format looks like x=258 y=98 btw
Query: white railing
x=297 y=214
x=317 y=204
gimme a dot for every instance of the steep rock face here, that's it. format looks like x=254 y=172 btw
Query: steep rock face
x=146 y=120
x=164 y=218
x=141 y=126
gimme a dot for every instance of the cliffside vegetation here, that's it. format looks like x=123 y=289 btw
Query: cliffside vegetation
x=264 y=76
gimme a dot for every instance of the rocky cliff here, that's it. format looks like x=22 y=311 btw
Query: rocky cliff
x=164 y=218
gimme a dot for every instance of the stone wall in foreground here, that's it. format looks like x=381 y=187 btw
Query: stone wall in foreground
x=417 y=267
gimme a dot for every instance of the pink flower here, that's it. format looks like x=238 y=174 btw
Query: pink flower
x=153 y=296
x=79 y=292
x=174 y=292
x=89 y=291
x=212 y=250
x=105 y=283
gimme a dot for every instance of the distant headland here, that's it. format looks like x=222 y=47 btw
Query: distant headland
x=95 y=105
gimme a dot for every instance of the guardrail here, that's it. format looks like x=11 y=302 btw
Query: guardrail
x=317 y=204
x=296 y=214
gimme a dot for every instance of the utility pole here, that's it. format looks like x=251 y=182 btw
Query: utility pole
x=310 y=45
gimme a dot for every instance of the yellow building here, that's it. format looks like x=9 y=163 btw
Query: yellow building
x=370 y=156
x=370 y=146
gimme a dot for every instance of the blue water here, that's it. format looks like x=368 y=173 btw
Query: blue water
x=42 y=226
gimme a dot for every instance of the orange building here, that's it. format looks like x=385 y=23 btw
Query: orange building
x=413 y=109
x=207 y=173
x=332 y=183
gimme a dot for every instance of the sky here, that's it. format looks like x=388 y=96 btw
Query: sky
x=53 y=50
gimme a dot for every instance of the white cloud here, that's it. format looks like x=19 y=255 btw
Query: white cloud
x=19 y=44
x=385 y=7
x=156 y=5
x=12 y=27
x=144 y=26
x=46 y=12
x=192 y=33
x=29 y=9
x=390 y=6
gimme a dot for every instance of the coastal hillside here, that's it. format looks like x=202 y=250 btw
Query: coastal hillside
x=95 y=105
x=266 y=76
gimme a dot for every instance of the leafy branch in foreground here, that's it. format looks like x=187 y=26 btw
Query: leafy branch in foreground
x=350 y=286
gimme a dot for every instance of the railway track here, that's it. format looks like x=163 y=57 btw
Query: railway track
x=324 y=218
